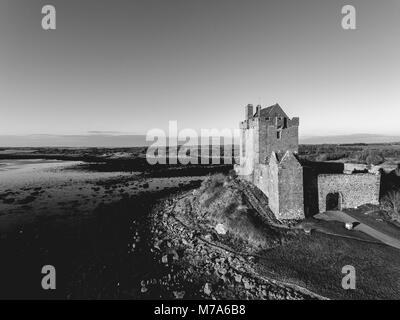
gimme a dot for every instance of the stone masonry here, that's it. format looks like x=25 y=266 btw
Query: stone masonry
x=269 y=159
x=353 y=189
x=268 y=149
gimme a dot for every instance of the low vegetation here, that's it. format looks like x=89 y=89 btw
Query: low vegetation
x=391 y=205
x=220 y=201
x=397 y=171
x=370 y=157
x=362 y=153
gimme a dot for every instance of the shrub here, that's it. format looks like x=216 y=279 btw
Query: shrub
x=374 y=159
x=322 y=157
x=210 y=188
x=391 y=205
x=397 y=171
x=370 y=157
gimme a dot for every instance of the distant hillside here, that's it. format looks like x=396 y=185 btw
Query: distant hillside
x=106 y=140
x=353 y=138
x=95 y=140
x=73 y=141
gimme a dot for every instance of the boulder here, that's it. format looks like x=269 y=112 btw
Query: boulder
x=207 y=289
x=238 y=278
x=221 y=228
x=349 y=225
x=179 y=294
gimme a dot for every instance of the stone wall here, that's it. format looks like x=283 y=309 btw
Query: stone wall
x=311 y=171
x=248 y=150
x=269 y=142
x=266 y=179
x=288 y=141
x=354 y=189
x=282 y=182
x=291 y=194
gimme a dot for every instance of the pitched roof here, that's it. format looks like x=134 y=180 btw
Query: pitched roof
x=275 y=109
x=289 y=156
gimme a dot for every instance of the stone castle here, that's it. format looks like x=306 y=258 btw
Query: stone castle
x=296 y=188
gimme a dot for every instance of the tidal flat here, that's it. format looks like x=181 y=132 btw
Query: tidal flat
x=88 y=221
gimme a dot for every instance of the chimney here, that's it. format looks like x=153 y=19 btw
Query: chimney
x=258 y=110
x=249 y=111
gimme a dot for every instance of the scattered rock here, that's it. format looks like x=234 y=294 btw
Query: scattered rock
x=248 y=284
x=349 y=225
x=220 y=228
x=238 y=277
x=222 y=271
x=143 y=290
x=179 y=294
x=207 y=289
x=225 y=279
x=174 y=254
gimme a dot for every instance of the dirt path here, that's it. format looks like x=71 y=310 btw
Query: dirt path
x=344 y=217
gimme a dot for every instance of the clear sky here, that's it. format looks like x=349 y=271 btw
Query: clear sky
x=129 y=66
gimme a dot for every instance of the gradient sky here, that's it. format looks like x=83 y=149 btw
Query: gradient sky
x=129 y=66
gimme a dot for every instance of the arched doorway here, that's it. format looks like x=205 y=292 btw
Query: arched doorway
x=333 y=201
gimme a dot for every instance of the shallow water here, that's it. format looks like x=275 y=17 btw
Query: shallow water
x=27 y=164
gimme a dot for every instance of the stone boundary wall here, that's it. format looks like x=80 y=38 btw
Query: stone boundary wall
x=354 y=189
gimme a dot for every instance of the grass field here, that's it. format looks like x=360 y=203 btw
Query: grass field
x=316 y=262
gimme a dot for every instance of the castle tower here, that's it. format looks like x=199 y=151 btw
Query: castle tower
x=268 y=148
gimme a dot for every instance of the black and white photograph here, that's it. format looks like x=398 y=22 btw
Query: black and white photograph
x=198 y=151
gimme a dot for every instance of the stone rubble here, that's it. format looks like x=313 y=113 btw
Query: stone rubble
x=199 y=269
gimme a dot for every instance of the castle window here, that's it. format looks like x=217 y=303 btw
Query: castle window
x=278 y=134
x=243 y=147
